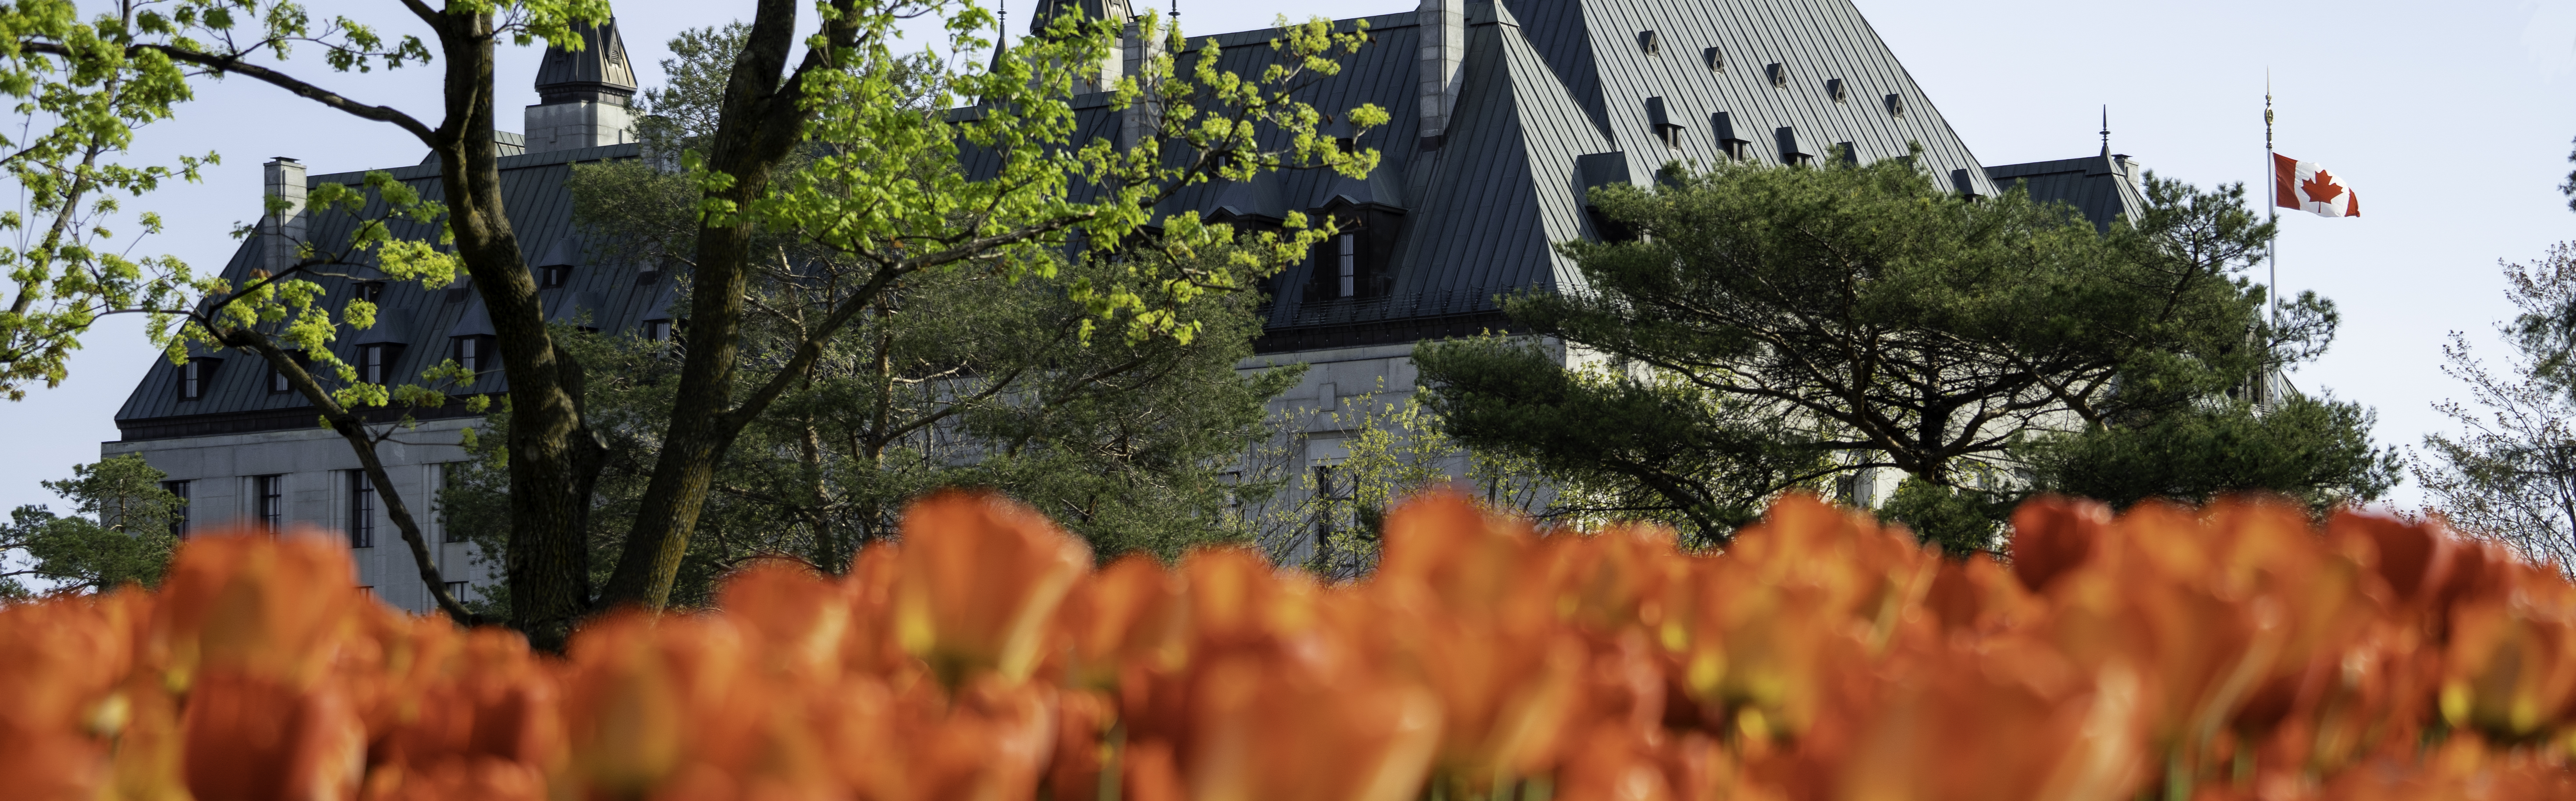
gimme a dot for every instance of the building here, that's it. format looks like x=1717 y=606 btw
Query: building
x=1504 y=115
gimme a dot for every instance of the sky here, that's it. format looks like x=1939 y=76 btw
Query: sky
x=2452 y=123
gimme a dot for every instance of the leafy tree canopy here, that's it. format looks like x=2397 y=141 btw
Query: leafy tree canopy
x=119 y=532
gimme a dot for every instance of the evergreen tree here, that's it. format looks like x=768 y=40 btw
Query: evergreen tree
x=119 y=531
x=1765 y=328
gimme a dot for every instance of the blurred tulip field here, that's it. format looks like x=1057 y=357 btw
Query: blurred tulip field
x=2231 y=652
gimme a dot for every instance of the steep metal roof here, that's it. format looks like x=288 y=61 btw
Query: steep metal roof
x=2104 y=188
x=1558 y=96
x=421 y=321
x=1548 y=82
x=1504 y=187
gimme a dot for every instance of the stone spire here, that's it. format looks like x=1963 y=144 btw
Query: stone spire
x=583 y=95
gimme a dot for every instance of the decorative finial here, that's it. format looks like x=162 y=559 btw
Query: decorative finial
x=2106 y=129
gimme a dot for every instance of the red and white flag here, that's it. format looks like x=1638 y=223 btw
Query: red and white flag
x=2307 y=185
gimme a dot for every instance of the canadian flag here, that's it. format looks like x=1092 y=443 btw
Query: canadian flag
x=2307 y=185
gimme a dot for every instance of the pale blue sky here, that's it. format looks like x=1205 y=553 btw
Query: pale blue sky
x=2452 y=121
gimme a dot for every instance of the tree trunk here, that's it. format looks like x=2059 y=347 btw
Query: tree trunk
x=760 y=122
x=553 y=457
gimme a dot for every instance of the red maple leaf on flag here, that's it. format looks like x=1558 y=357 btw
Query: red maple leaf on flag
x=2322 y=188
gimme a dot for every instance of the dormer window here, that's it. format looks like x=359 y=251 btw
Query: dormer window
x=1738 y=144
x=277 y=380
x=1896 y=105
x=194 y=375
x=371 y=291
x=474 y=353
x=1346 y=261
x=1716 y=59
x=648 y=278
x=657 y=330
x=1835 y=89
x=1779 y=75
x=554 y=276
x=1352 y=263
x=375 y=362
x=1661 y=120
x=1647 y=41
x=1794 y=148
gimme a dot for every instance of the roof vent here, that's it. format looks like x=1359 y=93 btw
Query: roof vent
x=1779 y=74
x=1834 y=89
x=1716 y=59
x=1646 y=41
x=1895 y=105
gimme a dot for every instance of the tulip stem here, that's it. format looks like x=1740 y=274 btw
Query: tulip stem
x=1111 y=763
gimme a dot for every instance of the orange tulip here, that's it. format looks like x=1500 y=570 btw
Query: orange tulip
x=981 y=580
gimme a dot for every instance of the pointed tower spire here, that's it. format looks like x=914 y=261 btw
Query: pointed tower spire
x=2106 y=129
x=583 y=96
x=1001 y=40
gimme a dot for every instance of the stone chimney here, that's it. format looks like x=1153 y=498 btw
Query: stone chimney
x=283 y=229
x=1443 y=26
x=1112 y=67
x=1141 y=121
x=583 y=97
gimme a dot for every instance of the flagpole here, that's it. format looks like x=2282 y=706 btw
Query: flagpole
x=2272 y=207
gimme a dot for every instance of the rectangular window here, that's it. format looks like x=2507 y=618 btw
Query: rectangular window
x=657 y=330
x=268 y=494
x=1738 y=149
x=456 y=590
x=362 y=510
x=179 y=514
x=469 y=353
x=371 y=291
x=192 y=379
x=371 y=363
x=277 y=383
x=554 y=277
x=1349 y=259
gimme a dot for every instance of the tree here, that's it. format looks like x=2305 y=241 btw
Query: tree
x=1641 y=444
x=1775 y=326
x=2316 y=451
x=119 y=531
x=884 y=191
x=2510 y=475
x=961 y=380
x=968 y=377
x=836 y=100
x=81 y=93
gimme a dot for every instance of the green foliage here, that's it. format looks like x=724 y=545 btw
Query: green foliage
x=956 y=380
x=1770 y=327
x=1959 y=521
x=120 y=531
x=79 y=91
x=1641 y=444
x=864 y=193
x=2313 y=450
x=1395 y=449
x=2510 y=474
